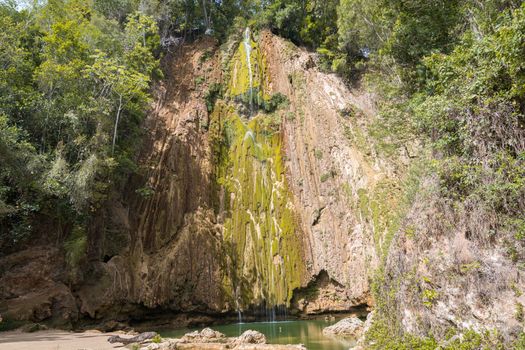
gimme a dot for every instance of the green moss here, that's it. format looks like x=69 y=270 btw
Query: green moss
x=429 y=297
x=240 y=73
x=466 y=268
x=199 y=81
x=264 y=250
x=363 y=202
x=326 y=176
x=519 y=314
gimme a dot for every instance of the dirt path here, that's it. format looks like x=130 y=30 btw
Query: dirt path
x=56 y=340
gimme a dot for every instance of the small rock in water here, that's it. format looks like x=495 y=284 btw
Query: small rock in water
x=329 y=318
x=347 y=327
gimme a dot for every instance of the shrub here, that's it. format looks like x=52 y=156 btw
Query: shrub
x=75 y=247
x=157 y=339
x=215 y=91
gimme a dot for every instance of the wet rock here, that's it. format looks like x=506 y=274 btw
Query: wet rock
x=347 y=327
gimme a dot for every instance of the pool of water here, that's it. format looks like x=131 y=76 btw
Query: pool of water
x=309 y=333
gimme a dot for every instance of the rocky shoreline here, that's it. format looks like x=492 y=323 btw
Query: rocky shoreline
x=213 y=340
x=205 y=339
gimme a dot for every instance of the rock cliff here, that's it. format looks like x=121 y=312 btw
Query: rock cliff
x=258 y=190
x=245 y=198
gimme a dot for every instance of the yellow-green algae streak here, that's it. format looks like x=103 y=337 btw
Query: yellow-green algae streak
x=239 y=83
x=264 y=250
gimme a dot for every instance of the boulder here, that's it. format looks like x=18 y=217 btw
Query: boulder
x=348 y=327
x=251 y=337
x=368 y=322
x=141 y=338
x=207 y=335
x=361 y=342
x=213 y=340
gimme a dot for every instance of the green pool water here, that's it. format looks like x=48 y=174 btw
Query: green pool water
x=308 y=333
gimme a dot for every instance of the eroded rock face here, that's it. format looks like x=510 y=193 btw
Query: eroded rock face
x=173 y=260
x=326 y=171
x=184 y=238
x=32 y=287
x=322 y=295
x=457 y=277
x=351 y=327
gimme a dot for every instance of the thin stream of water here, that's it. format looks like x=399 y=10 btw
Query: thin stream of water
x=248 y=48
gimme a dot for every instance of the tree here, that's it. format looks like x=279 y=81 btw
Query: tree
x=126 y=81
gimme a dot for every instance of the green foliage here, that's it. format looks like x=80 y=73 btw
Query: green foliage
x=452 y=78
x=429 y=297
x=311 y=23
x=156 y=339
x=69 y=73
x=215 y=91
x=520 y=342
x=276 y=101
x=519 y=314
x=10 y=324
x=145 y=192
x=380 y=337
x=75 y=247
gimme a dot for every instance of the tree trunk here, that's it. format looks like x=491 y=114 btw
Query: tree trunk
x=116 y=125
x=205 y=14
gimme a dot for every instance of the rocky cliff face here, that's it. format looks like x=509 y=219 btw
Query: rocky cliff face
x=247 y=196
x=259 y=188
x=446 y=270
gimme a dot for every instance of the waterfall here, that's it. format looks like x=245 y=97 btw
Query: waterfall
x=239 y=312
x=248 y=48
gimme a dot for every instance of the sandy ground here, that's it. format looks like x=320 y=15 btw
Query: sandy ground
x=56 y=340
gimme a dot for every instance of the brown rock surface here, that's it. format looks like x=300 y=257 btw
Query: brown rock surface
x=160 y=245
x=326 y=170
x=32 y=288
x=348 y=327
